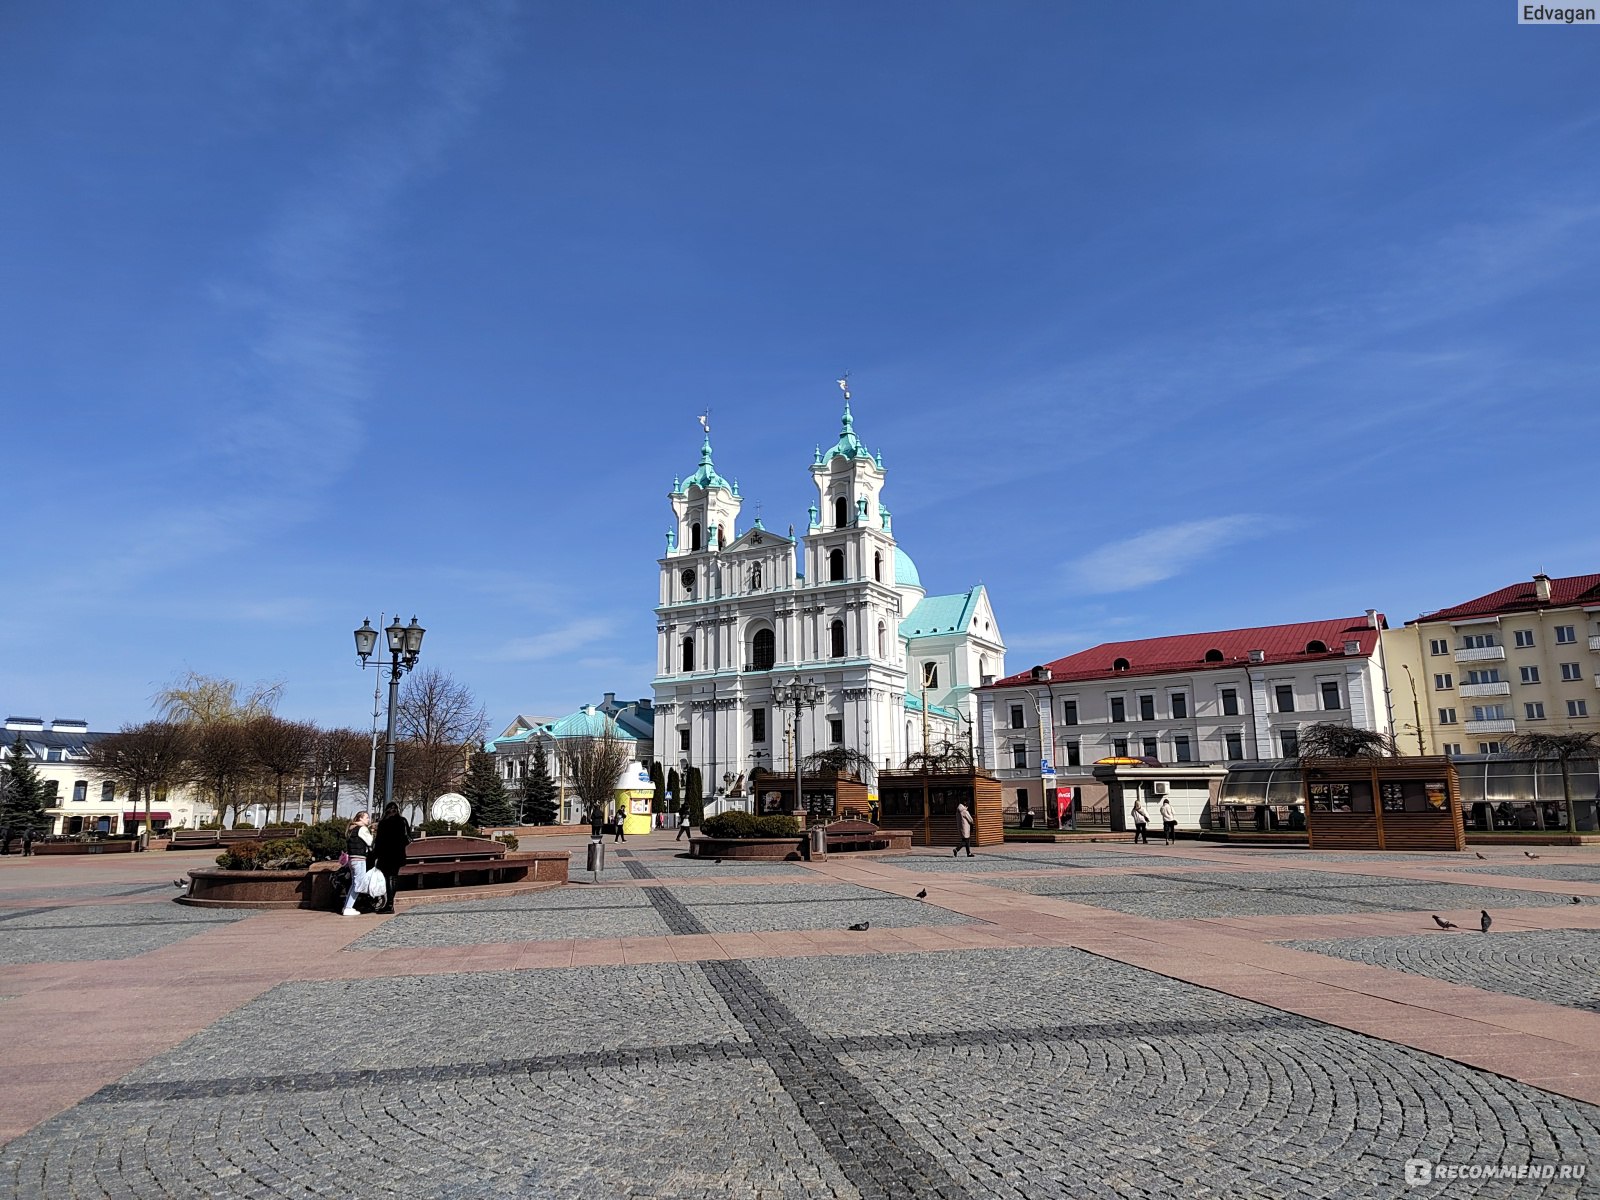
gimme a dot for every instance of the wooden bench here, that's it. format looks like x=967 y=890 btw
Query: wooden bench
x=434 y=857
x=216 y=839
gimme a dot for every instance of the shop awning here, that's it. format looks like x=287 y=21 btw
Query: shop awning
x=1488 y=780
x=1276 y=783
x=155 y=815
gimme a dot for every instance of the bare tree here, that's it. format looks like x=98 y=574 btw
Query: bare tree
x=442 y=722
x=594 y=763
x=945 y=758
x=222 y=764
x=144 y=759
x=1560 y=748
x=838 y=760
x=281 y=748
x=196 y=699
x=1327 y=740
x=339 y=755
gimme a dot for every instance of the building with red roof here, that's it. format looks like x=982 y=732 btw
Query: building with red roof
x=1179 y=710
x=1524 y=658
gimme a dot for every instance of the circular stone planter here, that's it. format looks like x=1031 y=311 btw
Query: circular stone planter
x=214 y=887
x=784 y=849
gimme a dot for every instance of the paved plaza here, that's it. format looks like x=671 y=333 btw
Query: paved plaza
x=1080 y=1020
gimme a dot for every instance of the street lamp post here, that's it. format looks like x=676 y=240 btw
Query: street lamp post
x=797 y=695
x=405 y=644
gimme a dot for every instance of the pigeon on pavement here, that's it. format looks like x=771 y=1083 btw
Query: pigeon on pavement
x=179 y=883
x=923 y=894
x=1485 y=920
x=1530 y=854
x=861 y=928
x=1480 y=856
x=1577 y=899
x=1443 y=924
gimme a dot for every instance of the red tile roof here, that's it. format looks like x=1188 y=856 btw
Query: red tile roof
x=1188 y=651
x=1520 y=597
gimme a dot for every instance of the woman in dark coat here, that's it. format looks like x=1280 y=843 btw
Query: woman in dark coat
x=389 y=848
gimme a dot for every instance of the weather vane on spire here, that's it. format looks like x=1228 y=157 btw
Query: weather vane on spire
x=705 y=421
x=844 y=385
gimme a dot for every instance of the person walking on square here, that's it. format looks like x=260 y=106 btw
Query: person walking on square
x=389 y=849
x=357 y=847
x=964 y=818
x=1141 y=822
x=621 y=834
x=683 y=824
x=5 y=840
x=1169 y=820
x=27 y=841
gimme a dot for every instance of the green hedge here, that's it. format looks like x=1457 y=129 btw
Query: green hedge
x=748 y=825
x=282 y=855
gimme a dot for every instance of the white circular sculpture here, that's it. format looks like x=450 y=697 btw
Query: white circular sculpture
x=452 y=806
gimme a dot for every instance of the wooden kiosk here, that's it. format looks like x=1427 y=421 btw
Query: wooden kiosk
x=1383 y=804
x=925 y=803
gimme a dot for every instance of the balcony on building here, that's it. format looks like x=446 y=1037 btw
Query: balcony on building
x=1468 y=690
x=1594 y=641
x=1482 y=654
x=1503 y=725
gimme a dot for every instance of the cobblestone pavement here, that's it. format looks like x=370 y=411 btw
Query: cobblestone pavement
x=1570 y=873
x=1557 y=966
x=702 y=1038
x=1016 y=1074
x=542 y=916
x=79 y=933
x=741 y=909
x=1270 y=893
x=1034 y=860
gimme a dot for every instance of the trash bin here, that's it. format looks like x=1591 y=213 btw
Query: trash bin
x=819 y=842
x=597 y=857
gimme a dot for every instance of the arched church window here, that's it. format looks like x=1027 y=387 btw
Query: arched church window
x=694 y=536
x=835 y=565
x=688 y=654
x=841 y=512
x=755 y=577
x=877 y=566
x=763 y=650
x=836 y=634
x=883 y=640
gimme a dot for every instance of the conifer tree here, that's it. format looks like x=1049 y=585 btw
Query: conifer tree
x=694 y=797
x=486 y=793
x=22 y=796
x=658 y=802
x=538 y=791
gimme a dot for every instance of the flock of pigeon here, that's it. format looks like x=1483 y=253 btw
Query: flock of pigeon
x=1484 y=919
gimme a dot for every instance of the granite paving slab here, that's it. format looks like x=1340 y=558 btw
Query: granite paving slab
x=1561 y=872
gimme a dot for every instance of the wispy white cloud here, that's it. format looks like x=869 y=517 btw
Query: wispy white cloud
x=1161 y=553
x=555 y=643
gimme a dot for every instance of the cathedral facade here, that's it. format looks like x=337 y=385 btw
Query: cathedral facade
x=747 y=618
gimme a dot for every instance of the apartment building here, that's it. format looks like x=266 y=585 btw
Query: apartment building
x=1524 y=658
x=1176 y=711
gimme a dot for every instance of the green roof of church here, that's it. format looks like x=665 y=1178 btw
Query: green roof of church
x=705 y=475
x=905 y=571
x=914 y=704
x=940 y=616
x=588 y=721
x=848 y=445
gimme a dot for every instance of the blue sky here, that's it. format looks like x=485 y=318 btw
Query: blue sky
x=1165 y=318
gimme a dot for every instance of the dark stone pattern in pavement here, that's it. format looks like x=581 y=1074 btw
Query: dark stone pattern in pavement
x=1270 y=893
x=1034 y=860
x=1557 y=966
x=84 y=932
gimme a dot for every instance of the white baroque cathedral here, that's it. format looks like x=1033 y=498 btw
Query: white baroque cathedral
x=746 y=615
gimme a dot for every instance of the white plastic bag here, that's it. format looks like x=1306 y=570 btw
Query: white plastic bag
x=375 y=885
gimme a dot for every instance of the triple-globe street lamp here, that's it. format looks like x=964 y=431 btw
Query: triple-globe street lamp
x=405 y=644
x=798 y=695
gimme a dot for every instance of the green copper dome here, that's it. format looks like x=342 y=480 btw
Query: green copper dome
x=849 y=445
x=705 y=475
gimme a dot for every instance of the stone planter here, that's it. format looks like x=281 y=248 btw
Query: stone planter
x=790 y=849
x=214 y=887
